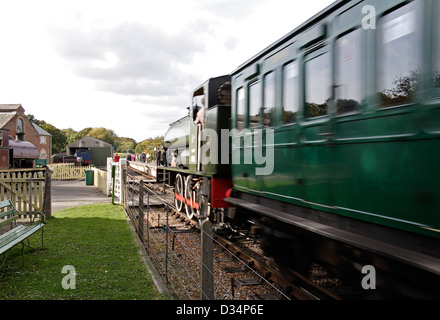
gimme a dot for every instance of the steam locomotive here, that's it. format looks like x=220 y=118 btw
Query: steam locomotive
x=16 y=153
x=328 y=143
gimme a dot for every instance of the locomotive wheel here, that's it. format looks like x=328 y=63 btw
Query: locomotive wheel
x=188 y=197
x=195 y=203
x=199 y=206
x=179 y=192
x=204 y=208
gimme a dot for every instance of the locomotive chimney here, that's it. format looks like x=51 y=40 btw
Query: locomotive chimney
x=19 y=136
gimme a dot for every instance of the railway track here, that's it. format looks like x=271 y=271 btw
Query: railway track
x=241 y=271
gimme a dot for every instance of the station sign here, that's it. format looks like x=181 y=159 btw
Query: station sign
x=40 y=162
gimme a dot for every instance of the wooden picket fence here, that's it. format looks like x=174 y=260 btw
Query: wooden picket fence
x=24 y=187
x=68 y=171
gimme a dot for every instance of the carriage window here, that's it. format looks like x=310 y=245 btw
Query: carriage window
x=436 y=55
x=241 y=106
x=348 y=72
x=399 y=52
x=290 y=92
x=269 y=99
x=318 y=85
x=254 y=104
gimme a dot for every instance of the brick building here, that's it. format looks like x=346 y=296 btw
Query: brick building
x=12 y=118
x=44 y=145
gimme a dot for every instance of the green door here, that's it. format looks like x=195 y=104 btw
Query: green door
x=315 y=128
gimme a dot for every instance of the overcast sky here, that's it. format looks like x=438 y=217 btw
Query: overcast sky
x=130 y=65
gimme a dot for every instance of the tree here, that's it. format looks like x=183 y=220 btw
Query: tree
x=403 y=90
x=148 y=145
x=59 y=140
x=69 y=133
x=103 y=134
x=315 y=110
x=436 y=79
x=124 y=144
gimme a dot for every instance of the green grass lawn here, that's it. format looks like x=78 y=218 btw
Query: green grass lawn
x=97 y=242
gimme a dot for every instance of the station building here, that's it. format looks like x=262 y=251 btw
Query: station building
x=99 y=150
x=13 y=119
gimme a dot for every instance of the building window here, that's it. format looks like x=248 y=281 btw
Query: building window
x=43 y=139
x=20 y=126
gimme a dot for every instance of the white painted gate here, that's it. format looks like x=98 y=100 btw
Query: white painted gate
x=118 y=170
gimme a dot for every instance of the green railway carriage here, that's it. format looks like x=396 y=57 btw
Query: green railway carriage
x=336 y=141
x=334 y=145
x=352 y=101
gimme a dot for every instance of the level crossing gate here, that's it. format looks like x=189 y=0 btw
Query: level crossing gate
x=119 y=166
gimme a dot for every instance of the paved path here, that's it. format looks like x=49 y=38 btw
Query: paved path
x=68 y=194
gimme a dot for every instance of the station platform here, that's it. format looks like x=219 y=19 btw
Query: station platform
x=148 y=168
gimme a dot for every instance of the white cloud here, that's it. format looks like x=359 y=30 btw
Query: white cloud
x=129 y=65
